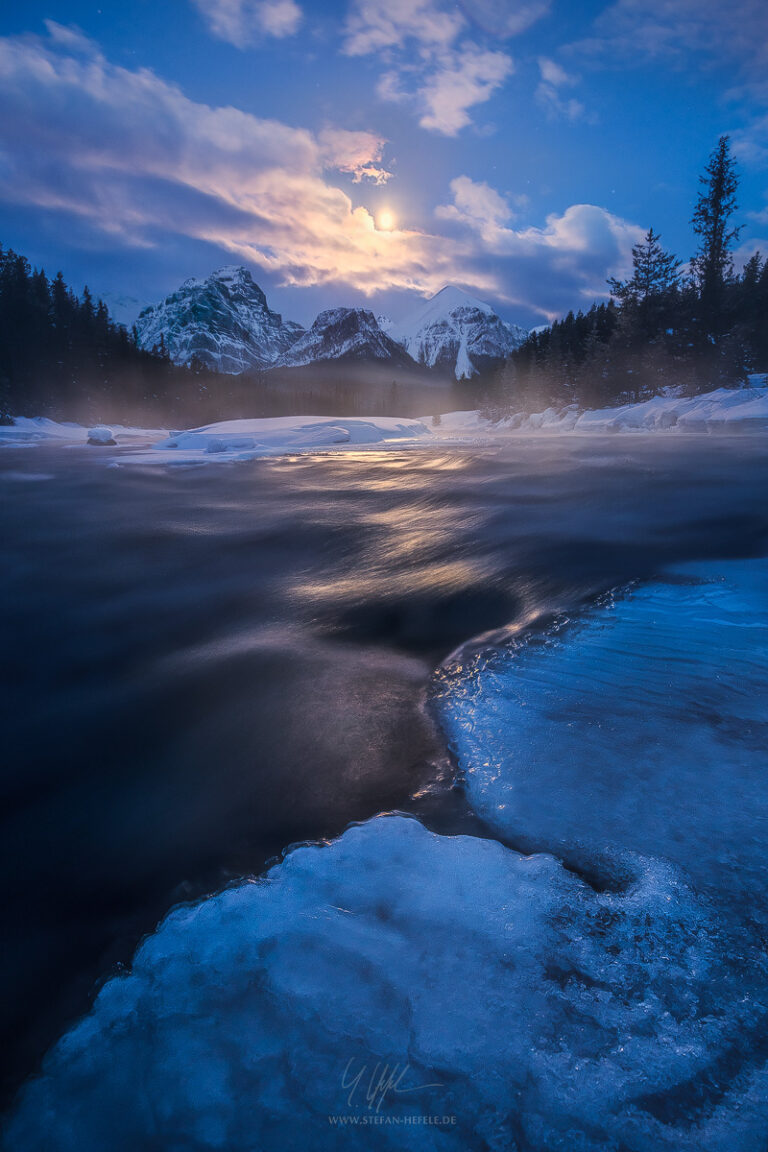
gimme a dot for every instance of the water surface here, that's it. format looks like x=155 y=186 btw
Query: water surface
x=202 y=666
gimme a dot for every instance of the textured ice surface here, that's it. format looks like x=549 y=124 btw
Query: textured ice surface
x=541 y=1013
x=642 y=726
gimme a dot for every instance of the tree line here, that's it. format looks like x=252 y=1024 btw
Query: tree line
x=62 y=356
x=699 y=328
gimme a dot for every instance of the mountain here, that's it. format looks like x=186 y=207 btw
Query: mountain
x=223 y=321
x=123 y=309
x=455 y=330
x=343 y=334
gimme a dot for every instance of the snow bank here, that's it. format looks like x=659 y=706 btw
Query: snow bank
x=725 y=410
x=225 y=441
x=40 y=430
x=247 y=439
x=514 y=1003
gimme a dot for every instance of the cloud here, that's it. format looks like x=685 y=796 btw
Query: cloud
x=685 y=34
x=358 y=153
x=636 y=31
x=373 y=26
x=134 y=158
x=553 y=79
x=443 y=92
x=475 y=204
x=504 y=18
x=461 y=81
x=243 y=22
x=431 y=64
x=548 y=268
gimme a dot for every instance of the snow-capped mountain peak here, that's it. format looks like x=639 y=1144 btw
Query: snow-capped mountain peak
x=343 y=334
x=454 y=329
x=223 y=321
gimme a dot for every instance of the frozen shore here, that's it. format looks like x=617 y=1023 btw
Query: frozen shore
x=724 y=411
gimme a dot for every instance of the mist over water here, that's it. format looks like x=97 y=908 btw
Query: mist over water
x=203 y=666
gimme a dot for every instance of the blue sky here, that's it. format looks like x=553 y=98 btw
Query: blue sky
x=518 y=148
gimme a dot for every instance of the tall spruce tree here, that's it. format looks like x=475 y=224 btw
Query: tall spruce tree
x=712 y=266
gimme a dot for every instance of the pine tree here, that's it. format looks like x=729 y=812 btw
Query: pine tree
x=655 y=273
x=712 y=266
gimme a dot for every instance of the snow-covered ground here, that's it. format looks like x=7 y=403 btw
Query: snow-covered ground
x=723 y=411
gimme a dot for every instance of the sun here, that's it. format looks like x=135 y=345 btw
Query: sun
x=386 y=220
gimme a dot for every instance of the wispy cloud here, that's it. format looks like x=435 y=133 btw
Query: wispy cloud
x=731 y=38
x=504 y=18
x=734 y=35
x=373 y=26
x=549 y=93
x=244 y=22
x=135 y=158
x=430 y=63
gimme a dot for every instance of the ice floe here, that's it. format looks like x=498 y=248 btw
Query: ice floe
x=641 y=725
x=447 y=992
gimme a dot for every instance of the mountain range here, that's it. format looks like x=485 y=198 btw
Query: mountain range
x=224 y=323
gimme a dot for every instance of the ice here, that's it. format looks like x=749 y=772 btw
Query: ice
x=512 y=996
x=641 y=726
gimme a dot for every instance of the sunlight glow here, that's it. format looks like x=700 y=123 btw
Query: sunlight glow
x=386 y=221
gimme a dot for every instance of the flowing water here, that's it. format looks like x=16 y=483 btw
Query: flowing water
x=554 y=646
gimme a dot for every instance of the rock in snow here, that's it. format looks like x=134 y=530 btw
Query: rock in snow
x=223 y=321
x=101 y=436
x=457 y=331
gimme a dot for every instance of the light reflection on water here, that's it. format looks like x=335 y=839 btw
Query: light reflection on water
x=205 y=665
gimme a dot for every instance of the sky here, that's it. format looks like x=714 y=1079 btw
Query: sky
x=367 y=153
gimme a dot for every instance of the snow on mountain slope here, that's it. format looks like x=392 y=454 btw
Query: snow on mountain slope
x=223 y=321
x=456 y=330
x=343 y=334
x=123 y=309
